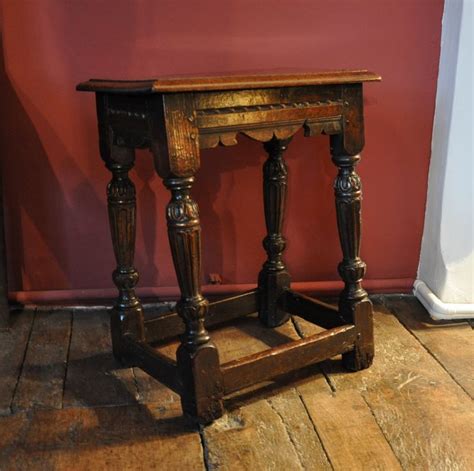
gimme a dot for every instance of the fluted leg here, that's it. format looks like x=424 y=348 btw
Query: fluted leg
x=197 y=357
x=127 y=314
x=274 y=277
x=354 y=304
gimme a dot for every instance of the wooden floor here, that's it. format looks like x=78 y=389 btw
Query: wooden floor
x=65 y=404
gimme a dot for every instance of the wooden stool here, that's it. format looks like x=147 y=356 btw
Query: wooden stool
x=174 y=118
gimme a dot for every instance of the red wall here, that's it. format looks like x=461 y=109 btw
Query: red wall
x=55 y=182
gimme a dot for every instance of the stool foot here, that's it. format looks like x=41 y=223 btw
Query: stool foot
x=272 y=286
x=202 y=386
x=363 y=354
x=120 y=326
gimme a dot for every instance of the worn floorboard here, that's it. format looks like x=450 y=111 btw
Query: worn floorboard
x=13 y=344
x=94 y=378
x=426 y=417
x=120 y=438
x=349 y=432
x=41 y=382
x=265 y=432
x=451 y=343
x=411 y=410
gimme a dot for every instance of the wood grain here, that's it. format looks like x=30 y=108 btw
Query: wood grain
x=334 y=415
x=94 y=377
x=42 y=377
x=245 y=336
x=123 y=438
x=257 y=437
x=406 y=410
x=349 y=432
x=427 y=418
x=262 y=434
x=12 y=352
x=228 y=82
x=286 y=358
x=451 y=343
x=300 y=428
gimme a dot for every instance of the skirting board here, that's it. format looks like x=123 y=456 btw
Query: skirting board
x=80 y=297
x=438 y=309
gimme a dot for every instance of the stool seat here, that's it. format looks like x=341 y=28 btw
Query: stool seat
x=175 y=117
x=192 y=83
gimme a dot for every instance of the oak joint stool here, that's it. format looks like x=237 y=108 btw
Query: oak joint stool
x=175 y=118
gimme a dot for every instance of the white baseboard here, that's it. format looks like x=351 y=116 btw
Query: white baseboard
x=438 y=309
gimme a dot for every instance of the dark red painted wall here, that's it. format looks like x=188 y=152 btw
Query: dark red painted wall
x=55 y=182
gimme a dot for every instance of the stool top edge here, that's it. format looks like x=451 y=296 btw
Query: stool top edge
x=192 y=83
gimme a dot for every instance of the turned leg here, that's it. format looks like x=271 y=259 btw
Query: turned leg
x=274 y=278
x=197 y=357
x=354 y=305
x=127 y=314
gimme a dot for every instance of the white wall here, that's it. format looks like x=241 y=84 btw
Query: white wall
x=445 y=277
